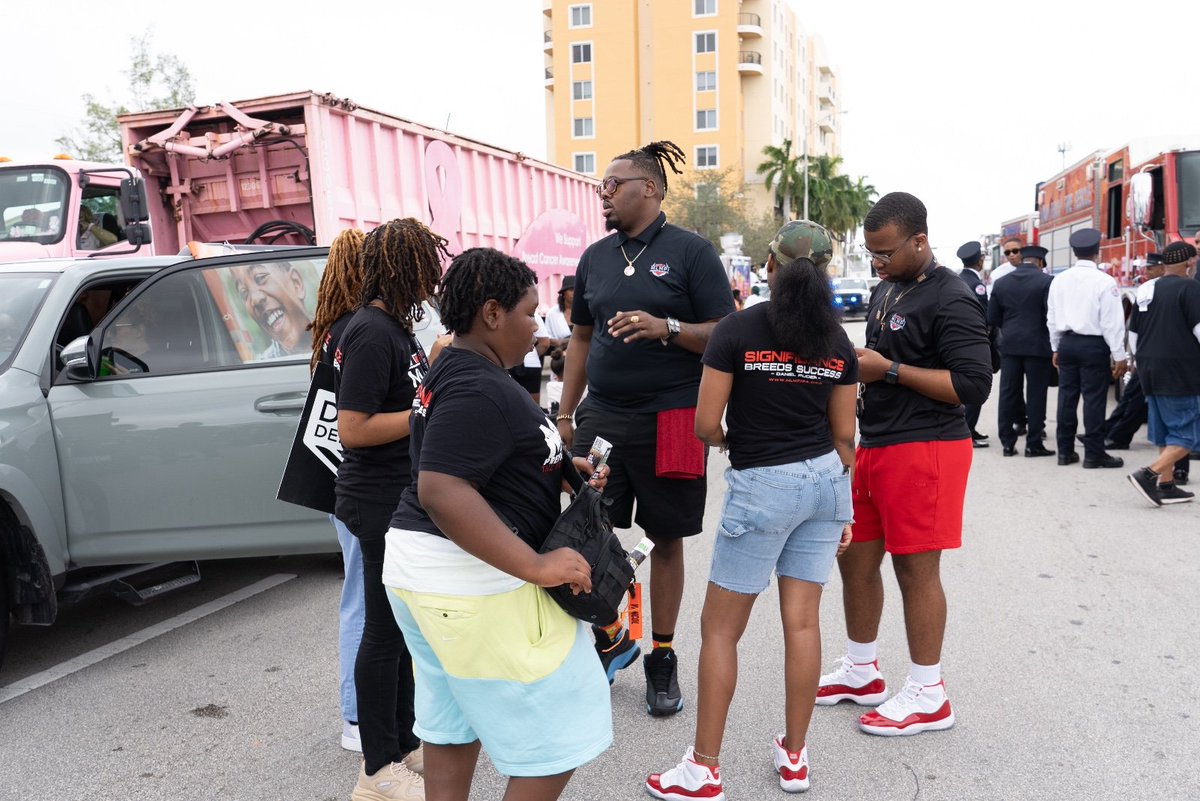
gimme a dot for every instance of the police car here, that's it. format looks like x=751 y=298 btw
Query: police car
x=851 y=295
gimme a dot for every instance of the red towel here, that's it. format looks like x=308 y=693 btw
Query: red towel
x=679 y=454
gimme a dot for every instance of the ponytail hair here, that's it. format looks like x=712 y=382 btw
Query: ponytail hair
x=801 y=314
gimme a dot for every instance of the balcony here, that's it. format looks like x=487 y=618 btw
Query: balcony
x=547 y=42
x=548 y=8
x=825 y=93
x=749 y=25
x=549 y=77
x=750 y=62
x=827 y=124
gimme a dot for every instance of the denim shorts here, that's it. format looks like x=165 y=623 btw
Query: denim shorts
x=787 y=518
x=1173 y=420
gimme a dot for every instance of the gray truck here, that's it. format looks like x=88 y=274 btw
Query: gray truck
x=147 y=407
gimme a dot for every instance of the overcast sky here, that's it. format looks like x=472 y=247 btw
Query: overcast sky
x=964 y=104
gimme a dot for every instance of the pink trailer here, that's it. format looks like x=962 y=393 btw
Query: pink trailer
x=304 y=166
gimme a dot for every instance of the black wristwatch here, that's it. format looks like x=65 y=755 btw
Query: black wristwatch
x=893 y=373
x=672 y=330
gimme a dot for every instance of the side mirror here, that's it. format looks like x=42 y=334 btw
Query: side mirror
x=75 y=360
x=1140 y=206
x=137 y=234
x=133 y=201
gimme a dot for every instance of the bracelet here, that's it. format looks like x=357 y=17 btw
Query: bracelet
x=564 y=416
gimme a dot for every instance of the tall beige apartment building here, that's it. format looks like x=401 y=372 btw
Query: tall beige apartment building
x=720 y=78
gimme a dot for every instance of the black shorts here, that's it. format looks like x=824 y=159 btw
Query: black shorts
x=530 y=378
x=667 y=508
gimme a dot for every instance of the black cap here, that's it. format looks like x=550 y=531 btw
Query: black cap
x=1085 y=241
x=1153 y=259
x=1177 y=253
x=1033 y=252
x=568 y=282
x=971 y=254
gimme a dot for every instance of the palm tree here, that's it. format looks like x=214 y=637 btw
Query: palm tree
x=833 y=201
x=782 y=171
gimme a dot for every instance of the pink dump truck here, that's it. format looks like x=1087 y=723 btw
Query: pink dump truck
x=294 y=169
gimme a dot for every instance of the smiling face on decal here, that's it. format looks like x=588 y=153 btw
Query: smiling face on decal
x=274 y=296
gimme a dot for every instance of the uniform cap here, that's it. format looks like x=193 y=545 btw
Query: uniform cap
x=1085 y=239
x=971 y=254
x=1177 y=253
x=802 y=239
x=1033 y=252
x=1153 y=259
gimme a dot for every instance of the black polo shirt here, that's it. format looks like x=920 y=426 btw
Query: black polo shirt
x=935 y=323
x=677 y=275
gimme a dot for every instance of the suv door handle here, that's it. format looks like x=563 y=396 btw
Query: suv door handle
x=285 y=402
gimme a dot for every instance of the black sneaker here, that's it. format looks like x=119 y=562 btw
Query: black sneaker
x=615 y=654
x=1169 y=493
x=1181 y=476
x=662 y=682
x=1146 y=483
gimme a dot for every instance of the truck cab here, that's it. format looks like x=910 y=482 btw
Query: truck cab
x=62 y=208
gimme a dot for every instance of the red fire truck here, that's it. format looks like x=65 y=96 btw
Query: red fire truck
x=1141 y=197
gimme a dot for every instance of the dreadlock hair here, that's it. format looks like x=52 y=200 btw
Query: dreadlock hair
x=476 y=276
x=340 y=288
x=653 y=160
x=402 y=262
x=801 y=314
x=906 y=211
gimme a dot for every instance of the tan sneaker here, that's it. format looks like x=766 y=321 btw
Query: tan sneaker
x=394 y=782
x=415 y=760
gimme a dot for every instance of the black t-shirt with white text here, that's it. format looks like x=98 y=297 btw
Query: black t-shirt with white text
x=778 y=405
x=378 y=367
x=329 y=348
x=472 y=421
x=1168 y=355
x=935 y=323
x=676 y=274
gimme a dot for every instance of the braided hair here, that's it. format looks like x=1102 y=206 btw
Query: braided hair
x=476 y=276
x=340 y=288
x=653 y=160
x=402 y=262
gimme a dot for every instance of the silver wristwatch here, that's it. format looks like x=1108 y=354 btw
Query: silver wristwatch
x=672 y=331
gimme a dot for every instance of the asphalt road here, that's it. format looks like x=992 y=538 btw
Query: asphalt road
x=1070 y=660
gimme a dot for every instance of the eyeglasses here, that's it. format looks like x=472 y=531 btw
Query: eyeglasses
x=886 y=258
x=1013 y=252
x=610 y=184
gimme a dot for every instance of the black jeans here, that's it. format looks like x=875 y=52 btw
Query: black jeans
x=383 y=672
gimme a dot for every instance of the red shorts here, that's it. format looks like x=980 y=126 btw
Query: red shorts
x=911 y=495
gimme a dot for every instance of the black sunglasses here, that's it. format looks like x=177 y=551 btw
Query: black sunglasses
x=1012 y=252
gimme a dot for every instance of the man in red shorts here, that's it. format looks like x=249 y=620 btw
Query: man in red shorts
x=927 y=355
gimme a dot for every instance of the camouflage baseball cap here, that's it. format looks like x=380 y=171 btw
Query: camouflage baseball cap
x=802 y=238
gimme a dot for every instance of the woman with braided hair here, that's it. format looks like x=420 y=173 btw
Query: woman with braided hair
x=380 y=365
x=337 y=299
x=498 y=664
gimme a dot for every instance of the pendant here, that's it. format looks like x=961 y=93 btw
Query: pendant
x=629 y=270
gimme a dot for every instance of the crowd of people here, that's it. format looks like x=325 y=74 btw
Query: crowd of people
x=453 y=470
x=1071 y=330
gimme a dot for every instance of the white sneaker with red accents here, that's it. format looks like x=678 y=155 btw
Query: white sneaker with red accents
x=791 y=766
x=862 y=684
x=914 y=709
x=686 y=781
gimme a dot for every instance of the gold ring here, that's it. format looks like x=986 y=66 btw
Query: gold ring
x=634 y=319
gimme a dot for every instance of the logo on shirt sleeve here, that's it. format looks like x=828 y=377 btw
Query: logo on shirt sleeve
x=897 y=322
x=659 y=269
x=980 y=289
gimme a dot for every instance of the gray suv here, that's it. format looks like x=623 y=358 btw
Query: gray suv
x=147 y=407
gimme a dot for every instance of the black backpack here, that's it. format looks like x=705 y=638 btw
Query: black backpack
x=584 y=527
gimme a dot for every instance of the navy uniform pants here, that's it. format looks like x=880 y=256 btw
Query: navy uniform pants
x=1084 y=370
x=1031 y=374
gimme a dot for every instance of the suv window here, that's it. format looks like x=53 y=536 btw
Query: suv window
x=215 y=318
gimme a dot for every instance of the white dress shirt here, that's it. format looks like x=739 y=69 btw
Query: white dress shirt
x=1087 y=302
x=997 y=274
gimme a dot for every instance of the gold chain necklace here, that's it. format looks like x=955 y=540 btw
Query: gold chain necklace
x=629 y=268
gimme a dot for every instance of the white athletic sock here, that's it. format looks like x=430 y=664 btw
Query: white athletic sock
x=861 y=653
x=925 y=674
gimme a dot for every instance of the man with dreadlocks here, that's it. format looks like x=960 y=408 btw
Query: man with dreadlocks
x=646 y=300
x=379 y=364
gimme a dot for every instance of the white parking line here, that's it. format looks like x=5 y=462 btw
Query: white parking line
x=90 y=658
